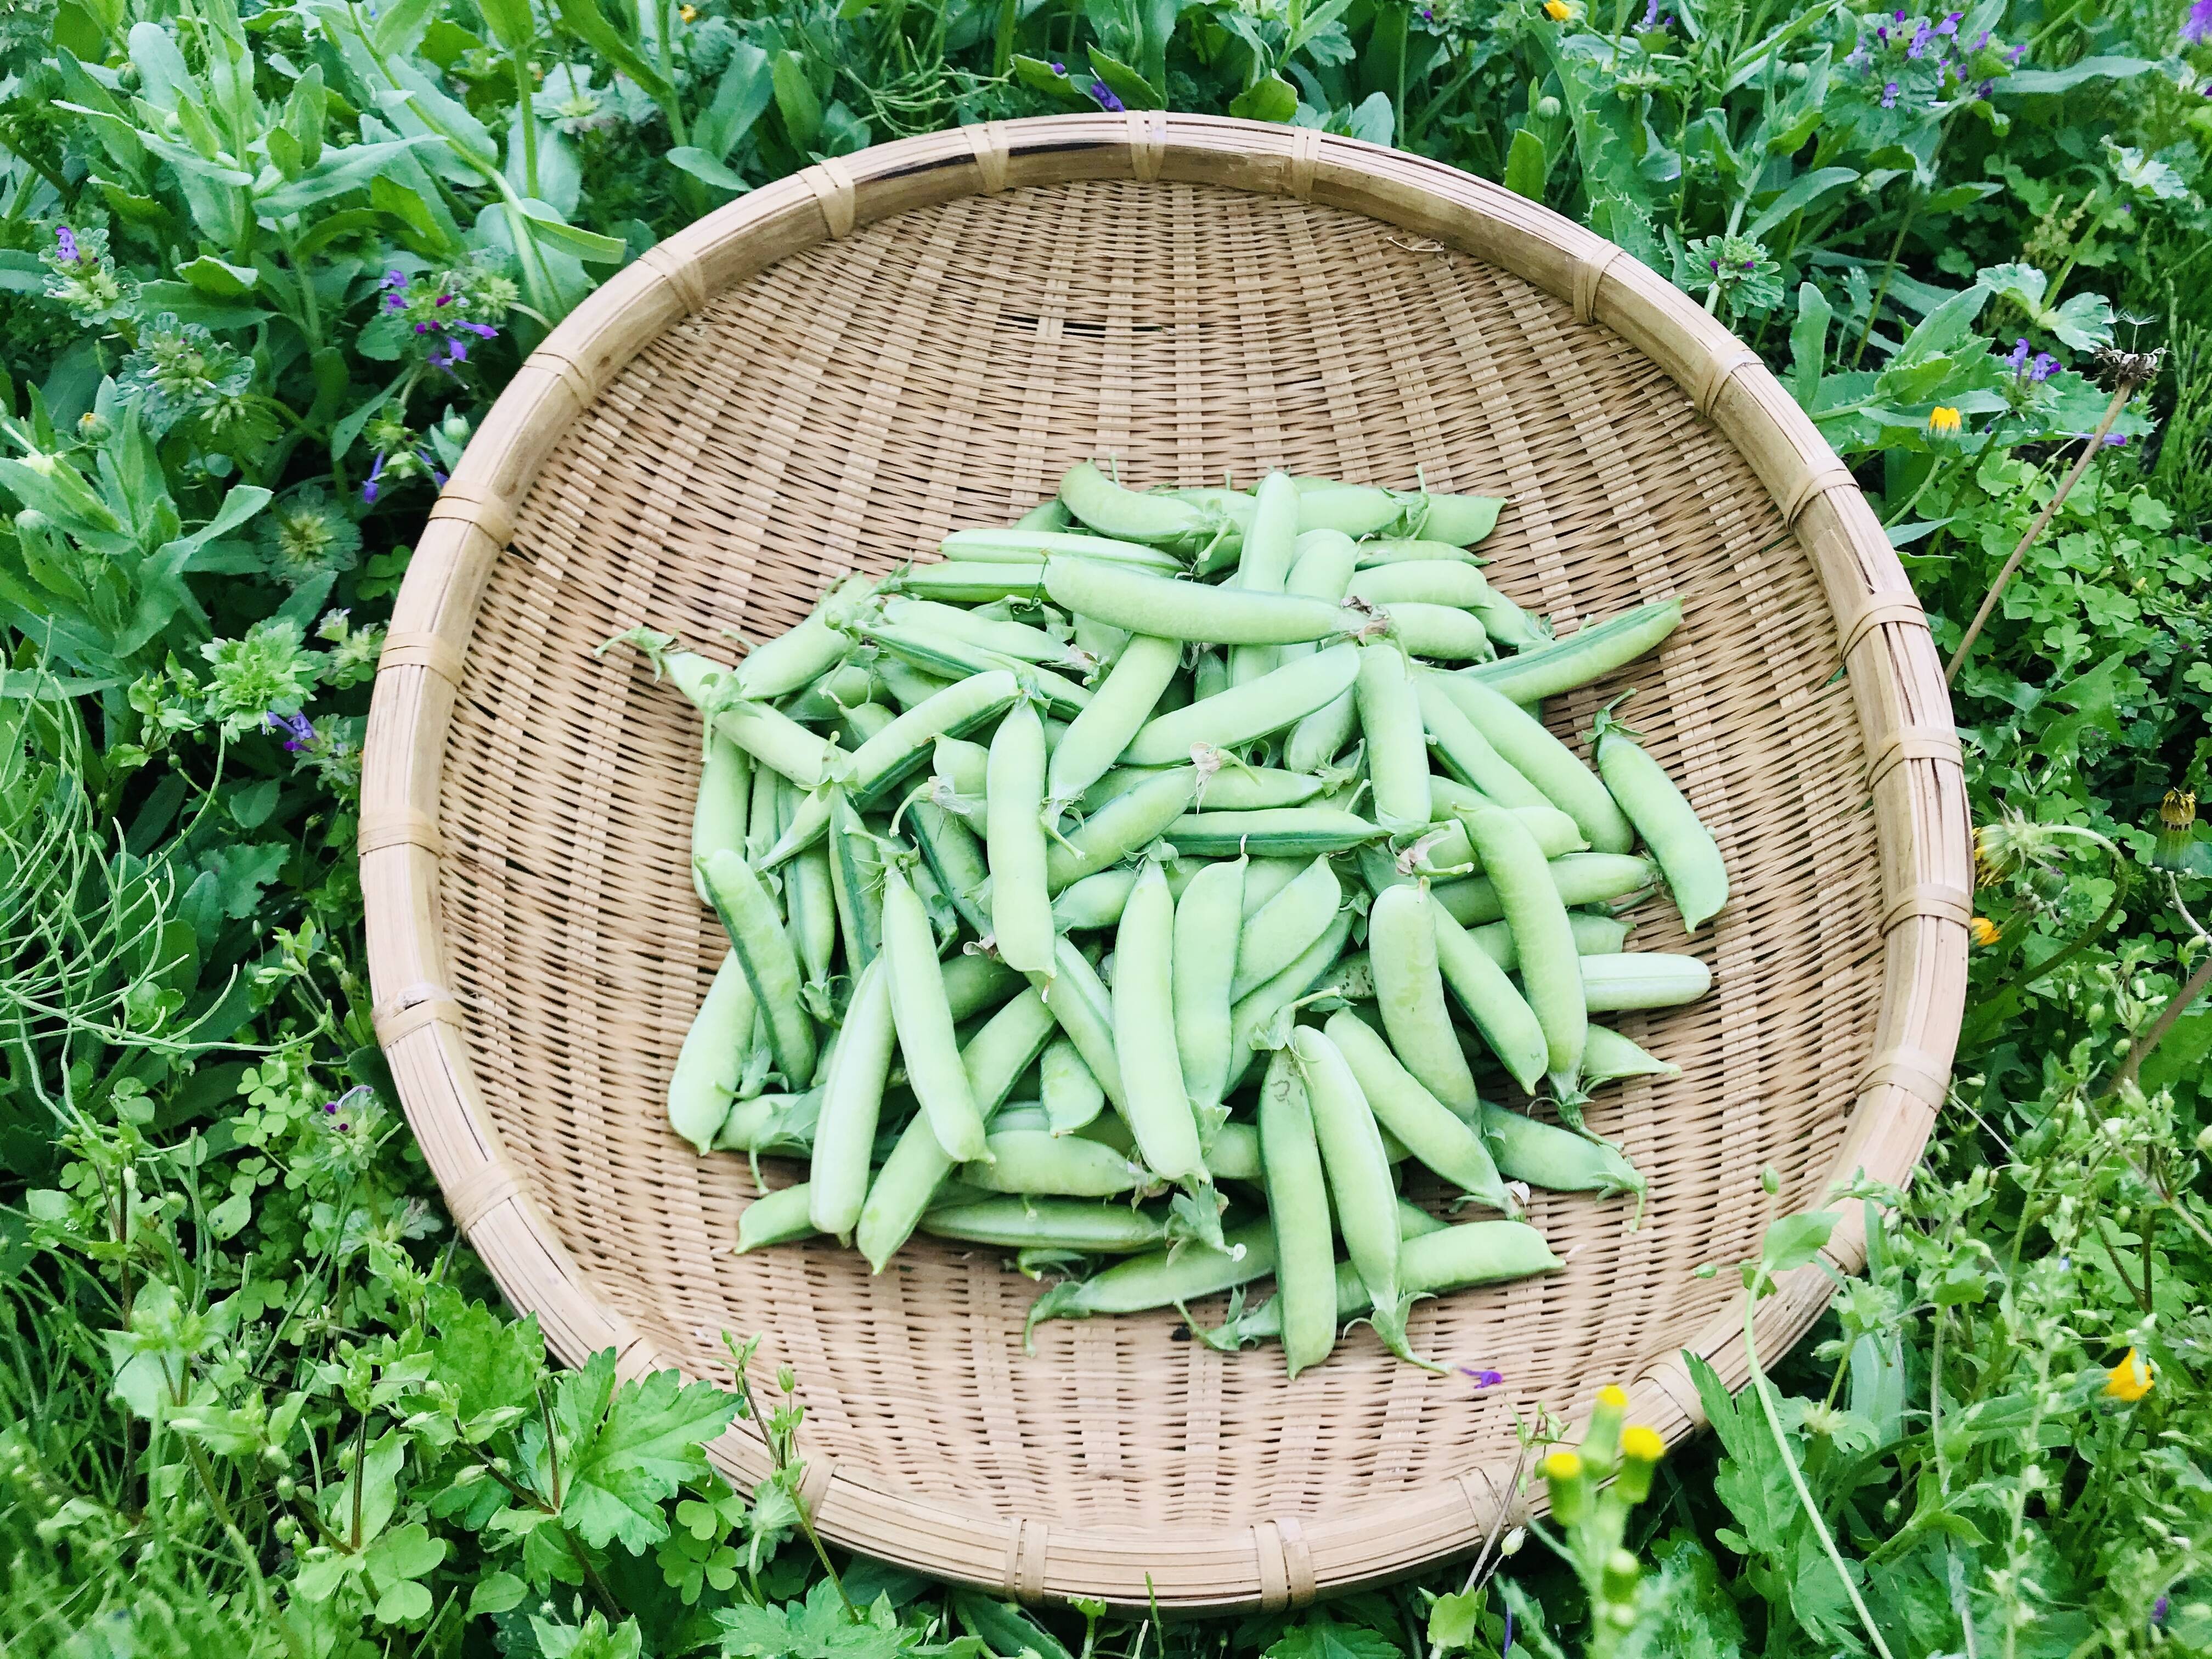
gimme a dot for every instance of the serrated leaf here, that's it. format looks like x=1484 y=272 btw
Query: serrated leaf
x=630 y=1448
x=1324 y=1637
x=1793 y=1241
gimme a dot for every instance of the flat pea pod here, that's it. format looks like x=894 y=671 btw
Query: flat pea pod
x=1070 y=1095
x=1154 y=1100
x=1166 y=609
x=1550 y=968
x=902 y=1189
x=1470 y=755
x=1541 y=758
x=1590 y=652
x=851 y=1102
x=807 y=651
x=1235 y=716
x=1462 y=520
x=1134 y=515
x=1580 y=877
x=1409 y=990
x=1558 y=1160
x=1595 y=936
x=1207 y=918
x=771 y=967
x=1263 y=565
x=1397 y=743
x=1016 y=640
x=1642 y=979
x=1611 y=1057
x=955 y=857
x=1288 y=830
x=705 y=1081
x=1441 y=632
x=812 y=908
x=1119 y=827
x=1473 y=1252
x=1360 y=1180
x=1033 y=547
x=1159 y=1279
x=1424 y=1124
x=1118 y=709
x=1039 y=1162
x=772 y=1123
x=1258 y=1018
x=923 y=1016
x=1686 y=853
x=1299 y=1212
x=980 y=577
x=1085 y=1009
x=1277 y=933
x=723 y=808
x=1031 y=1223
x=881 y=763
x=782 y=1217
x=1021 y=911
x=1508 y=1025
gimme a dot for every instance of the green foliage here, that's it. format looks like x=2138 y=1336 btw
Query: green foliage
x=261 y=272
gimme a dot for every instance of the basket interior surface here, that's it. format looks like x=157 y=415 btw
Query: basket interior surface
x=935 y=370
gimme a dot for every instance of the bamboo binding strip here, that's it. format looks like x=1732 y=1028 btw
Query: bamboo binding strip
x=838 y=369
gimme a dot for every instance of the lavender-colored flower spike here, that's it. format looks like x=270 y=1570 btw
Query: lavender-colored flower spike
x=65 y=241
x=299 y=731
x=1104 y=95
x=2198 y=25
x=370 y=488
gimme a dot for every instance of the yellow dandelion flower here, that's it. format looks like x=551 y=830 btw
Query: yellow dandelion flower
x=1640 y=1443
x=1563 y=1466
x=1557 y=11
x=2129 y=1380
x=1983 y=931
x=1612 y=1394
x=1943 y=421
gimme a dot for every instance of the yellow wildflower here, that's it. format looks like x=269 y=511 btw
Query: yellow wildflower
x=1943 y=421
x=1557 y=11
x=1983 y=931
x=1565 y=1466
x=1612 y=1394
x=1640 y=1442
x=2129 y=1380
x=689 y=14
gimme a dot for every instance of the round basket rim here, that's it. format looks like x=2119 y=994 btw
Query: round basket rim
x=1914 y=778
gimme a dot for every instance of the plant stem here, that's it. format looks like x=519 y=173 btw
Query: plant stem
x=2034 y=531
x=2155 y=1033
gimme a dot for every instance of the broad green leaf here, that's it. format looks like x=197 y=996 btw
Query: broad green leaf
x=21 y=273
x=702 y=166
x=212 y=276
x=509 y=21
x=2025 y=83
x=162 y=71
x=338 y=172
x=795 y=100
x=1793 y=1241
x=630 y=1449
x=1525 y=165
x=1125 y=82
x=1004 y=1629
x=1452 y=1619
x=497 y=1592
x=1270 y=98
x=740 y=96
x=1808 y=345
x=1037 y=75
x=1801 y=193
x=587 y=244
x=585 y=17
x=1320 y=1636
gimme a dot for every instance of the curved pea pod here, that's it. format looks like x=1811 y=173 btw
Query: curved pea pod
x=1094 y=902
x=723 y=808
x=1233 y=717
x=1462 y=520
x=1084 y=1010
x=1533 y=751
x=1320 y=737
x=1360 y=1180
x=775 y=740
x=1168 y=609
x=1595 y=936
x=1508 y=1025
x=1021 y=911
x=1298 y=1211
x=1278 y=933
x=1551 y=967
x=1265 y=1322
x=1154 y=1100
x=1033 y=1224
x=1240 y=788
x=923 y=1016
x=1322 y=569
x=1424 y=1124
x=976 y=984
x=1207 y=920
x=1049 y=515
x=1288 y=830
x=1642 y=979
x=1034 y=546
x=917 y=1168
x=883 y=762
x=1156 y=521
x=1010 y=638
x=1446 y=850
x=1558 y=1160
x=1069 y=1095
x=1263 y=565
x=1580 y=877
x=1117 y=710
x=1409 y=990
x=1265 y=878
x=1687 y=855
x=812 y=910
x=955 y=660
x=772 y=1123
x=782 y=1217
x=1397 y=745
x=1039 y=1162
x=1383 y=551
x=1589 y=653
x=1119 y=827
x=705 y=1081
x=852 y=1102
x=1473 y=1252
x=807 y=651
x=825 y=701
x=770 y=965
x=1468 y=755
x=1160 y=1278
x=1453 y=581
x=973 y=580
x=1351 y=509
x=1440 y=632
x=1257 y=1018
x=1611 y=1057
x=964 y=765
x=1234 y=1153
x=953 y=855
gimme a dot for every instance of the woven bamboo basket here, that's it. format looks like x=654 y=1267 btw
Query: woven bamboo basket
x=835 y=370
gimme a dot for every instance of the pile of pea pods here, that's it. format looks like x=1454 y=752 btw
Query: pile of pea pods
x=1144 y=888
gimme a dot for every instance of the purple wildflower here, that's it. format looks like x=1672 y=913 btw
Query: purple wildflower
x=299 y=731
x=1919 y=42
x=1980 y=41
x=2158 y=1608
x=1900 y=17
x=1881 y=34
x=2042 y=368
x=430 y=463
x=1985 y=91
x=346 y=1128
x=482 y=331
x=65 y=242
x=2017 y=53
x=449 y=351
x=370 y=488
x=1889 y=95
x=1949 y=26
x=1506 y=1646
x=330 y=1106
x=422 y=328
x=445 y=299
x=2016 y=359
x=2116 y=440
x=1060 y=69
x=1104 y=95
x=1482 y=1378
x=395 y=290
x=2198 y=25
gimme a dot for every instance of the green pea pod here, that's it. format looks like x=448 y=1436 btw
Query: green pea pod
x=772 y=1123
x=884 y=761
x=1039 y=1162
x=1009 y=639
x=1397 y=745
x=1641 y=979
x=1070 y=1096
x=923 y=1015
x=1290 y=830
x=1171 y=609
x=1440 y=632
x=1580 y=878
x=1264 y=1323
x=1117 y=710
x=852 y=1102
x=1551 y=967
x=1206 y=920
x=1154 y=1100
x=1027 y=1224
x=707 y=1066
x=1021 y=911
x=979 y=577
x=1409 y=990
x=1423 y=1124
x=1033 y=545
x=1256 y=1019
x=1132 y=515
x=1468 y=754
x=1263 y=565
x=1611 y=1057
x=1277 y=933
x=756 y=933
x=1122 y=826
x=1298 y=1210
x=720 y=818
x=856 y=878
x=956 y=858
x=782 y=1217
x=1236 y=715
x=1687 y=855
x=1590 y=654
x=1462 y=520
x=810 y=650
x=1508 y=1025
x=1541 y=758
x=1085 y=1009
x=1595 y=936
x=977 y=984
x=1544 y=1155
x=1160 y=1278
x=812 y=908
